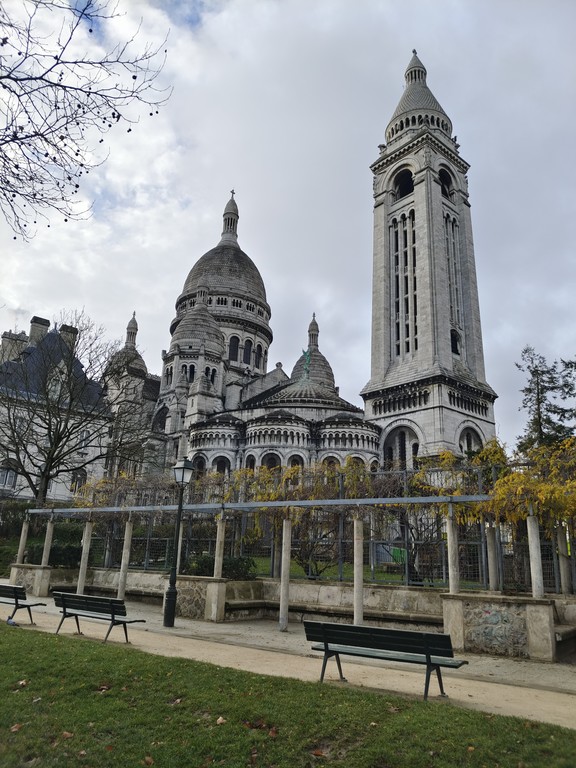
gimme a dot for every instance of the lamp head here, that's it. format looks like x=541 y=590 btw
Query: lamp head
x=183 y=470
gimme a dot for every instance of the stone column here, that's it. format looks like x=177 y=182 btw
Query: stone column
x=23 y=540
x=128 y=528
x=48 y=541
x=535 y=555
x=564 y=558
x=285 y=574
x=219 y=553
x=86 y=540
x=493 y=570
x=452 y=542
x=358 y=570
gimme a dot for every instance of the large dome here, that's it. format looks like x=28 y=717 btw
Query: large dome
x=225 y=272
x=225 y=269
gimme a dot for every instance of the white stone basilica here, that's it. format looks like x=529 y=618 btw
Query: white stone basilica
x=218 y=404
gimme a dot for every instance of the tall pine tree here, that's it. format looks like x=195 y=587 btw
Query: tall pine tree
x=544 y=398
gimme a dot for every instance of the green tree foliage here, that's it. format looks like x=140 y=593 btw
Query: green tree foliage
x=548 y=388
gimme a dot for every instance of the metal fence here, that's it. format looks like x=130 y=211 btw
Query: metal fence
x=401 y=547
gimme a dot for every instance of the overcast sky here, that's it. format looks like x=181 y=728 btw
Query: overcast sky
x=286 y=101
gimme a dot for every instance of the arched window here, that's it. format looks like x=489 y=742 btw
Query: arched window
x=247 y=352
x=233 y=347
x=221 y=465
x=271 y=461
x=445 y=183
x=251 y=463
x=159 y=422
x=199 y=466
x=78 y=480
x=8 y=474
x=470 y=441
x=455 y=342
x=403 y=184
x=258 y=356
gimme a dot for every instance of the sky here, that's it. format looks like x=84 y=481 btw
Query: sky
x=286 y=102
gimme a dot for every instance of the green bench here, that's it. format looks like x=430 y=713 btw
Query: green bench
x=434 y=650
x=16 y=596
x=109 y=609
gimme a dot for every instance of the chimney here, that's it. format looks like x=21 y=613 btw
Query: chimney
x=69 y=334
x=38 y=329
x=13 y=344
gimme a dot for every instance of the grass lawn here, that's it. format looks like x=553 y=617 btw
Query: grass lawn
x=72 y=701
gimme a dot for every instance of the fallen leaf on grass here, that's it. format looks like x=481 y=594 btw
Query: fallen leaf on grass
x=176 y=701
x=220 y=721
x=318 y=753
x=22 y=683
x=15 y=728
x=148 y=760
x=67 y=735
x=273 y=732
x=471 y=749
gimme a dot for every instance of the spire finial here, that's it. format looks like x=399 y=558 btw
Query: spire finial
x=414 y=51
x=229 y=233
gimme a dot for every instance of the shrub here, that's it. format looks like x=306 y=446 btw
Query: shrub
x=234 y=568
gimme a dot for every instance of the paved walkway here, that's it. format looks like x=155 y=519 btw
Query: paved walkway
x=528 y=689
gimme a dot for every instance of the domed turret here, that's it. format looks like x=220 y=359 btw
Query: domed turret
x=418 y=107
x=232 y=279
x=128 y=358
x=312 y=364
x=198 y=329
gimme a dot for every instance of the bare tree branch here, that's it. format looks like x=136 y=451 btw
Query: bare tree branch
x=63 y=87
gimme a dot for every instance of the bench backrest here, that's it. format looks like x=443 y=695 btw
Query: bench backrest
x=107 y=606
x=381 y=638
x=13 y=592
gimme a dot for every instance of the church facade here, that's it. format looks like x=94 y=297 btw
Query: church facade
x=220 y=403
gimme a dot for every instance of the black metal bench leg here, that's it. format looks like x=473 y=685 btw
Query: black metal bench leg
x=77 y=625
x=59 y=625
x=109 y=630
x=125 y=632
x=323 y=667
x=12 y=614
x=30 y=614
x=427 y=683
x=342 y=678
x=439 y=676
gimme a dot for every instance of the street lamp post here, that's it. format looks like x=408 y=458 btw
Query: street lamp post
x=182 y=474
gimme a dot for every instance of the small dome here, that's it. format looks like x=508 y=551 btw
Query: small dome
x=199 y=328
x=128 y=359
x=312 y=364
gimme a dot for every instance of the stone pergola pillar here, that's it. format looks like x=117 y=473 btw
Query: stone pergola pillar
x=564 y=560
x=535 y=555
x=23 y=540
x=285 y=574
x=219 y=552
x=493 y=569
x=48 y=541
x=453 y=563
x=126 y=547
x=86 y=541
x=358 y=570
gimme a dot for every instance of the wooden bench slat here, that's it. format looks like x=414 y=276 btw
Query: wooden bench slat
x=434 y=650
x=13 y=594
x=93 y=607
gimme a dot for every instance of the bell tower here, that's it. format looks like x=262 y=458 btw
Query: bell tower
x=427 y=388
